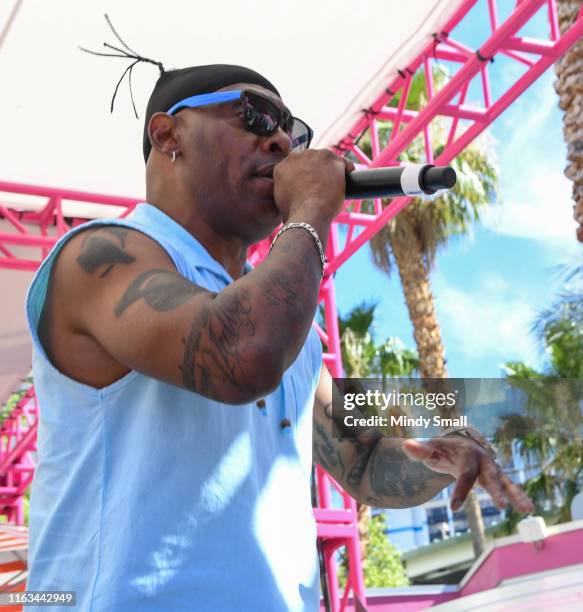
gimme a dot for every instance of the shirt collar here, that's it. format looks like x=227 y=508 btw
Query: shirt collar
x=197 y=254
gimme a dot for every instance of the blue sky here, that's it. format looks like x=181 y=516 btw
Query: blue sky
x=490 y=284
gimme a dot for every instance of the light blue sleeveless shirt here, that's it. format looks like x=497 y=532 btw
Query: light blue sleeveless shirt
x=147 y=497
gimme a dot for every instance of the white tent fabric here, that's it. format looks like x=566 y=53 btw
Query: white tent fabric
x=403 y=50
x=15 y=343
x=58 y=130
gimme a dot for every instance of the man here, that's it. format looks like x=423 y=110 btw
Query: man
x=177 y=384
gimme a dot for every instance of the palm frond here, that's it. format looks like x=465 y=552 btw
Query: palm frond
x=359 y=319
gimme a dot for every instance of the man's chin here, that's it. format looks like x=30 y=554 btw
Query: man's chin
x=269 y=223
x=262 y=211
x=263 y=184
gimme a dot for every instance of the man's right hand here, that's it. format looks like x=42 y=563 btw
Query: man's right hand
x=311 y=182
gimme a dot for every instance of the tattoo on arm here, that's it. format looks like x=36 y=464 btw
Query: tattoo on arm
x=161 y=289
x=289 y=283
x=97 y=250
x=359 y=468
x=283 y=289
x=118 y=231
x=397 y=481
x=214 y=350
x=343 y=436
x=191 y=354
x=325 y=453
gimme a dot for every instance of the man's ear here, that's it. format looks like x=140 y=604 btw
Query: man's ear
x=161 y=132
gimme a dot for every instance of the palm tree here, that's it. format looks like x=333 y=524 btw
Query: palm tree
x=563 y=321
x=569 y=87
x=362 y=357
x=410 y=242
x=549 y=434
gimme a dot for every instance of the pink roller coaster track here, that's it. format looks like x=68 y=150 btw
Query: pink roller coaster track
x=37 y=230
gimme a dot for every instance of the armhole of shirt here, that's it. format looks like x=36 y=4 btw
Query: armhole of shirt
x=37 y=292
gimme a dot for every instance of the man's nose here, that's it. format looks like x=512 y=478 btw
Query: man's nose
x=279 y=142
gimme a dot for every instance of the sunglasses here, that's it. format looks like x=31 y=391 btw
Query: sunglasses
x=261 y=115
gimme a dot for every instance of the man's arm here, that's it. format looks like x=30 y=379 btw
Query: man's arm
x=120 y=288
x=388 y=472
x=375 y=470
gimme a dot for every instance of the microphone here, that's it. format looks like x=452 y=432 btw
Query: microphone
x=412 y=179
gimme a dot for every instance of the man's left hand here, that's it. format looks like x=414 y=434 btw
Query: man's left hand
x=468 y=462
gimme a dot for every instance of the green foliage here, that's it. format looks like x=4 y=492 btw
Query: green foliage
x=395 y=360
x=549 y=434
x=538 y=488
x=359 y=319
x=26 y=505
x=10 y=404
x=560 y=329
x=383 y=566
x=363 y=357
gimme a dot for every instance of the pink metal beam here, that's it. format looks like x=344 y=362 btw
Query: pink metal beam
x=467 y=72
x=392 y=87
x=50 y=220
x=449 y=110
x=17 y=441
x=67 y=194
x=435 y=107
x=529 y=45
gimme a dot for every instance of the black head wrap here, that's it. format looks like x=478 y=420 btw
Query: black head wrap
x=175 y=85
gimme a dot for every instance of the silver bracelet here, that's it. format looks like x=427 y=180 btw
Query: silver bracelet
x=313 y=233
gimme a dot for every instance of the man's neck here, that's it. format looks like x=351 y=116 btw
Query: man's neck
x=230 y=251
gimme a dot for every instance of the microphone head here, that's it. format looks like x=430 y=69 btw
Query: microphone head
x=438 y=177
x=448 y=177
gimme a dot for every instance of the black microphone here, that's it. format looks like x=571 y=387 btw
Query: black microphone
x=412 y=179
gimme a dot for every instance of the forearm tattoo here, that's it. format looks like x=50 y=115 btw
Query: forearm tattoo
x=282 y=289
x=325 y=453
x=291 y=280
x=393 y=480
x=358 y=470
x=399 y=482
x=329 y=448
x=218 y=343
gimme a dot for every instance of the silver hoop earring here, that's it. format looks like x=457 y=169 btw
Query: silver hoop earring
x=173 y=156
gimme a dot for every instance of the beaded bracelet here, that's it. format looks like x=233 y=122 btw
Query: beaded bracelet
x=313 y=233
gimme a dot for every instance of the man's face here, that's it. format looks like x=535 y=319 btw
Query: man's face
x=228 y=168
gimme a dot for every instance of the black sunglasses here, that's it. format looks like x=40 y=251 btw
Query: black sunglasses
x=261 y=115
